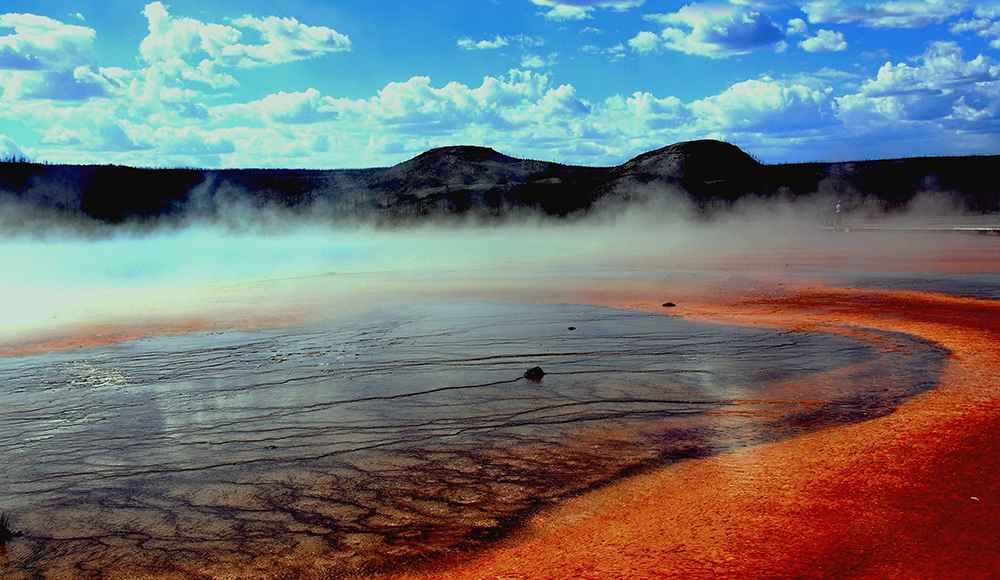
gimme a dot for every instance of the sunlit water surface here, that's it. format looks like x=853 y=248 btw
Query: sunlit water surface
x=386 y=439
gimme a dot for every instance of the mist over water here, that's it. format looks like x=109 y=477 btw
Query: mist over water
x=59 y=279
x=55 y=274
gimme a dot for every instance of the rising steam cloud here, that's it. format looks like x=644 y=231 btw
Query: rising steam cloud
x=225 y=252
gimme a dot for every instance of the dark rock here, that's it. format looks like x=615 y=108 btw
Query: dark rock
x=534 y=374
x=5 y=534
x=669 y=305
x=570 y=328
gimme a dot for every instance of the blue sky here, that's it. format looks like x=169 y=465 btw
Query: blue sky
x=370 y=83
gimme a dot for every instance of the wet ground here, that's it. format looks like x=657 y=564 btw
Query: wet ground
x=386 y=441
x=909 y=495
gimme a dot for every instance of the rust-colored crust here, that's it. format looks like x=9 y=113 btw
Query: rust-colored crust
x=910 y=495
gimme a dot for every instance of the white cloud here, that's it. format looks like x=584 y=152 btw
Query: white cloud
x=155 y=116
x=521 y=97
x=95 y=127
x=193 y=142
x=181 y=52
x=943 y=70
x=798 y=26
x=562 y=10
x=175 y=110
x=297 y=108
x=617 y=52
x=824 y=41
x=39 y=43
x=286 y=40
x=184 y=41
x=614 y=53
x=469 y=44
x=943 y=92
x=9 y=149
x=766 y=106
x=713 y=30
x=46 y=59
x=944 y=96
x=524 y=46
x=405 y=118
x=645 y=42
x=178 y=39
x=891 y=14
x=523 y=112
x=983 y=27
x=69 y=85
x=531 y=61
x=987 y=10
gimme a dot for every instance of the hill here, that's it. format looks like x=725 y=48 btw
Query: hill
x=477 y=180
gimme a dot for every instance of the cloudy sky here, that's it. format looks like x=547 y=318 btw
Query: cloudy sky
x=362 y=83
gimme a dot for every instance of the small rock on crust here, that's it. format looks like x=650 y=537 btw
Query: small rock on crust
x=669 y=305
x=534 y=374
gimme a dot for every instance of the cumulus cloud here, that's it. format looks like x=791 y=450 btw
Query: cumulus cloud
x=943 y=69
x=9 y=149
x=95 y=127
x=524 y=112
x=891 y=14
x=986 y=28
x=946 y=102
x=469 y=44
x=406 y=118
x=152 y=118
x=824 y=41
x=524 y=46
x=943 y=90
x=193 y=142
x=297 y=108
x=520 y=98
x=39 y=43
x=713 y=30
x=186 y=39
x=45 y=59
x=766 y=105
x=285 y=40
x=175 y=109
x=798 y=26
x=580 y=9
x=536 y=61
x=645 y=42
x=78 y=84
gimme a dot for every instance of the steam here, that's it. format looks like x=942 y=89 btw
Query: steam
x=223 y=254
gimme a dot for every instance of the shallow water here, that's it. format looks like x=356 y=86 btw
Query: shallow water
x=353 y=445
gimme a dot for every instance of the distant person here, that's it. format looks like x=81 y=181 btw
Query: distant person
x=838 y=212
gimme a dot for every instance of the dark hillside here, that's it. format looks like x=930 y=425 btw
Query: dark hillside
x=109 y=193
x=707 y=170
x=971 y=181
x=462 y=179
x=481 y=181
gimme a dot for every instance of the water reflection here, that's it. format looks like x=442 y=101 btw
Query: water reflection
x=346 y=446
